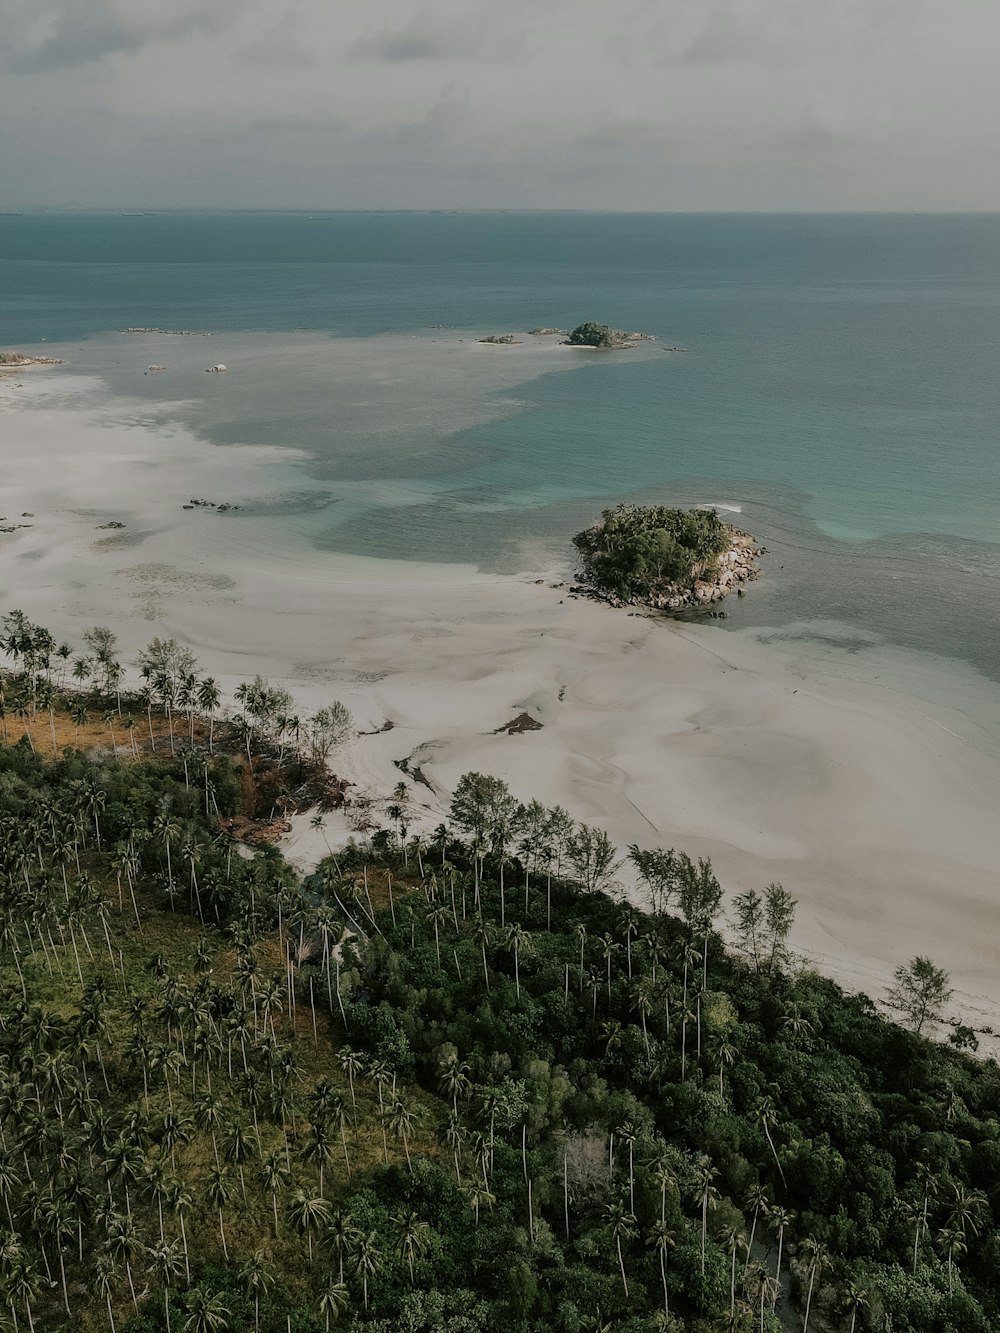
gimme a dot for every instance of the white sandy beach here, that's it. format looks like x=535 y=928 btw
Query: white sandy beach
x=874 y=802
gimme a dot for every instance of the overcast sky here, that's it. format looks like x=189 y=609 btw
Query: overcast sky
x=603 y=104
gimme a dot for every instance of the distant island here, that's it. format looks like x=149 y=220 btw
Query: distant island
x=17 y=360
x=584 y=335
x=670 y=559
x=600 y=335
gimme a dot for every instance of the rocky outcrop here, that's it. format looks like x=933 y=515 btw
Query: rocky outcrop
x=15 y=360
x=735 y=567
x=501 y=339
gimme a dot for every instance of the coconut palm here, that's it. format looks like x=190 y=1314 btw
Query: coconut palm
x=621 y=1225
x=517 y=940
x=482 y=937
x=767 y=1118
x=206 y=1313
x=479 y=1193
x=757 y=1200
x=258 y=1279
x=855 y=1298
x=815 y=1258
x=166 y=1264
x=367 y=1260
x=966 y=1209
x=781 y=1220
x=220 y=1191
x=401 y=1120
x=703 y=1194
x=307 y=1215
x=333 y=1302
x=412 y=1238
x=663 y=1238
x=733 y=1241
x=453 y=1078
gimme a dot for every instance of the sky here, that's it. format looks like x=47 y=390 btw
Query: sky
x=802 y=105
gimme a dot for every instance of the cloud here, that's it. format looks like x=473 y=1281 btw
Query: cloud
x=280 y=43
x=445 y=31
x=63 y=34
x=570 y=103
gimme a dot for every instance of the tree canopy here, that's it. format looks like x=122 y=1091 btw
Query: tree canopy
x=634 y=549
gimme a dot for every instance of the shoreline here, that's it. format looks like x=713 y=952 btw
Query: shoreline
x=873 y=808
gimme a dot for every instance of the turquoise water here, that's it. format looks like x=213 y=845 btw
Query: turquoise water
x=840 y=383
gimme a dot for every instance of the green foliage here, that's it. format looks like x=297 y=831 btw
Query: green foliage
x=635 y=550
x=497 y=1103
x=591 y=335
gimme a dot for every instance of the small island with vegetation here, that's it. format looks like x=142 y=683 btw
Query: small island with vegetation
x=600 y=335
x=670 y=559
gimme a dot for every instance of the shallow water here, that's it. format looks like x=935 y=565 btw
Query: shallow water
x=839 y=386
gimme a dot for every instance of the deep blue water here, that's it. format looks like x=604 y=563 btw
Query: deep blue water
x=840 y=382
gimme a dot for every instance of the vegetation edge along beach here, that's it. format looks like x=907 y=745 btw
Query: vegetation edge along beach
x=450 y=1081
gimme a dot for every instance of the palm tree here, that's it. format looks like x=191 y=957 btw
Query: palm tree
x=166 y=1263
x=725 y=1053
x=307 y=1215
x=333 y=1302
x=663 y=1238
x=180 y=1201
x=767 y=1118
x=167 y=829
x=367 y=1260
x=318 y=1149
x=621 y=1225
x=258 y=1279
x=967 y=1208
x=627 y=1134
x=104 y=1282
x=122 y=1242
x=913 y=1215
x=781 y=1219
x=273 y=1176
x=206 y=1313
x=341 y=1235
x=479 y=1193
x=209 y=697
x=856 y=1298
x=517 y=938
x=482 y=935
x=401 y=1120
x=239 y=1145
x=453 y=1078
x=757 y=1200
x=438 y=916
x=733 y=1241
x=664 y=1168
x=412 y=1238
x=220 y=1191
x=703 y=1193
x=816 y=1259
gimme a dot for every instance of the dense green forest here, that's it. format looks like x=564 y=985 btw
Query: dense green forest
x=452 y=1082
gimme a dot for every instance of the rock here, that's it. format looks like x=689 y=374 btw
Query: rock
x=503 y=339
x=215 y=370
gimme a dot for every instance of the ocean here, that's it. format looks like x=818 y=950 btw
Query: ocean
x=838 y=392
